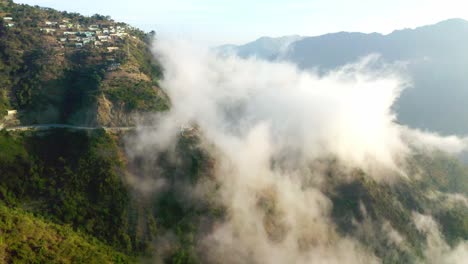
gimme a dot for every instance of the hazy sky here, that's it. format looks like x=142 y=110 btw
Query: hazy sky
x=238 y=21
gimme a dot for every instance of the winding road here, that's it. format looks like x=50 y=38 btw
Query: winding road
x=52 y=126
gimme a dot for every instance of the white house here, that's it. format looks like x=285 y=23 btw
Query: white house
x=7 y=19
x=74 y=38
x=48 y=30
x=12 y=112
x=88 y=40
x=103 y=37
x=114 y=66
x=111 y=49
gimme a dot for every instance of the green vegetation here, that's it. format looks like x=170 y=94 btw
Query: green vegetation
x=4 y=103
x=441 y=171
x=21 y=63
x=182 y=214
x=373 y=204
x=82 y=82
x=75 y=179
x=25 y=238
x=178 y=212
x=68 y=177
x=135 y=95
x=136 y=85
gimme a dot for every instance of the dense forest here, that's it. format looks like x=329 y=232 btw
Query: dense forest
x=77 y=180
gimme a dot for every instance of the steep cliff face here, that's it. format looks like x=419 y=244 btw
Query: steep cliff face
x=114 y=114
x=129 y=92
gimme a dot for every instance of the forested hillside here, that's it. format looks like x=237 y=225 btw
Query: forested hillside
x=26 y=238
x=59 y=67
x=63 y=194
x=83 y=180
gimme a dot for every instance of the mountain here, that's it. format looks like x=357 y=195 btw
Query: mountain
x=59 y=67
x=161 y=193
x=63 y=197
x=264 y=47
x=446 y=38
x=436 y=57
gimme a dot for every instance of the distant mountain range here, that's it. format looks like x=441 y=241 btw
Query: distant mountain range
x=264 y=47
x=436 y=55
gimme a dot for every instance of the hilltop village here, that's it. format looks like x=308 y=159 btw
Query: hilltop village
x=62 y=67
x=69 y=31
x=76 y=35
x=69 y=34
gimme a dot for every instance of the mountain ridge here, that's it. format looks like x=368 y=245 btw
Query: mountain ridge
x=435 y=56
x=263 y=47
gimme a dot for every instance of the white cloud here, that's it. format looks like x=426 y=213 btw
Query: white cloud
x=437 y=251
x=268 y=125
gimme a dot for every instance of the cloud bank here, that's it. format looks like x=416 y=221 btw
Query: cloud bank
x=270 y=127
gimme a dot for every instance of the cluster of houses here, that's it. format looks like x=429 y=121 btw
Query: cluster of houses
x=106 y=35
x=70 y=34
x=75 y=35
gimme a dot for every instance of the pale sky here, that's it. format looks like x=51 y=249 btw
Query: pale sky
x=216 y=22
